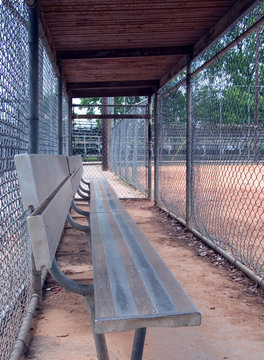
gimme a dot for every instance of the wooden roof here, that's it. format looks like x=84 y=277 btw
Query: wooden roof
x=132 y=47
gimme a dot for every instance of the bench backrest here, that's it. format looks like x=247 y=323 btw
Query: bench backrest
x=48 y=184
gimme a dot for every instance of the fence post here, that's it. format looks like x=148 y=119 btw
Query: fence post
x=70 y=126
x=156 y=144
x=33 y=39
x=60 y=145
x=149 y=127
x=189 y=146
x=105 y=136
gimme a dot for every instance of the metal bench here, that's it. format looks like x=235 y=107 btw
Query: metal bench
x=133 y=288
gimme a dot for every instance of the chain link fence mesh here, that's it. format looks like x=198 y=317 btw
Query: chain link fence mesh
x=48 y=104
x=227 y=145
x=128 y=149
x=172 y=151
x=15 y=259
x=65 y=126
x=15 y=250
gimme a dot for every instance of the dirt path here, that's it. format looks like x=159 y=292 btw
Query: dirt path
x=231 y=306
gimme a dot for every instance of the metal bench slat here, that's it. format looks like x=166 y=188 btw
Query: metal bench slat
x=139 y=290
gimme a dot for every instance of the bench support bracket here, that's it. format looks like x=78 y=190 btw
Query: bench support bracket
x=78 y=210
x=138 y=345
x=88 y=292
x=82 y=195
x=78 y=226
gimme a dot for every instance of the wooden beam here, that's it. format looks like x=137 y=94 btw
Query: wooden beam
x=112 y=84
x=123 y=53
x=112 y=92
x=234 y=14
x=111 y=116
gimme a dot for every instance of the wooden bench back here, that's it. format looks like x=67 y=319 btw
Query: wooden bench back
x=48 y=184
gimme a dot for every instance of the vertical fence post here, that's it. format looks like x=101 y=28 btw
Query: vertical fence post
x=105 y=136
x=156 y=144
x=149 y=127
x=189 y=146
x=33 y=39
x=60 y=138
x=70 y=126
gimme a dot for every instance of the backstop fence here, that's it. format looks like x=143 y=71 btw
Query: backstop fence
x=211 y=169
x=15 y=250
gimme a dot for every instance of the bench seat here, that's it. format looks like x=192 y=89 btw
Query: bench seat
x=133 y=286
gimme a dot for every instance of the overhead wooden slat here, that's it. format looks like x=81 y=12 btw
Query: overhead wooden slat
x=102 y=41
x=118 y=53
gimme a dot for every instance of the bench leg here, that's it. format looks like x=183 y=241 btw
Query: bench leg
x=99 y=339
x=138 y=345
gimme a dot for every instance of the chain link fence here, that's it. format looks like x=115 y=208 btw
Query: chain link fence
x=129 y=148
x=15 y=251
x=48 y=105
x=227 y=152
x=15 y=259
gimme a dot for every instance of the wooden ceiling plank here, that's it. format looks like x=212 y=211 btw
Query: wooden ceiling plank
x=112 y=84
x=124 y=53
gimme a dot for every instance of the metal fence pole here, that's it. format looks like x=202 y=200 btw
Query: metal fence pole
x=105 y=137
x=70 y=126
x=149 y=147
x=156 y=144
x=189 y=146
x=60 y=139
x=33 y=39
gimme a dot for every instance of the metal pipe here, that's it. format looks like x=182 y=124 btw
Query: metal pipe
x=78 y=210
x=156 y=144
x=60 y=137
x=138 y=345
x=33 y=62
x=149 y=127
x=235 y=42
x=82 y=195
x=99 y=339
x=217 y=56
x=257 y=279
x=85 y=182
x=70 y=126
x=69 y=284
x=105 y=135
x=20 y=341
x=189 y=184
x=84 y=190
x=78 y=226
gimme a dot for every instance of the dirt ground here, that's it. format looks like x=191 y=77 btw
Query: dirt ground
x=232 y=307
